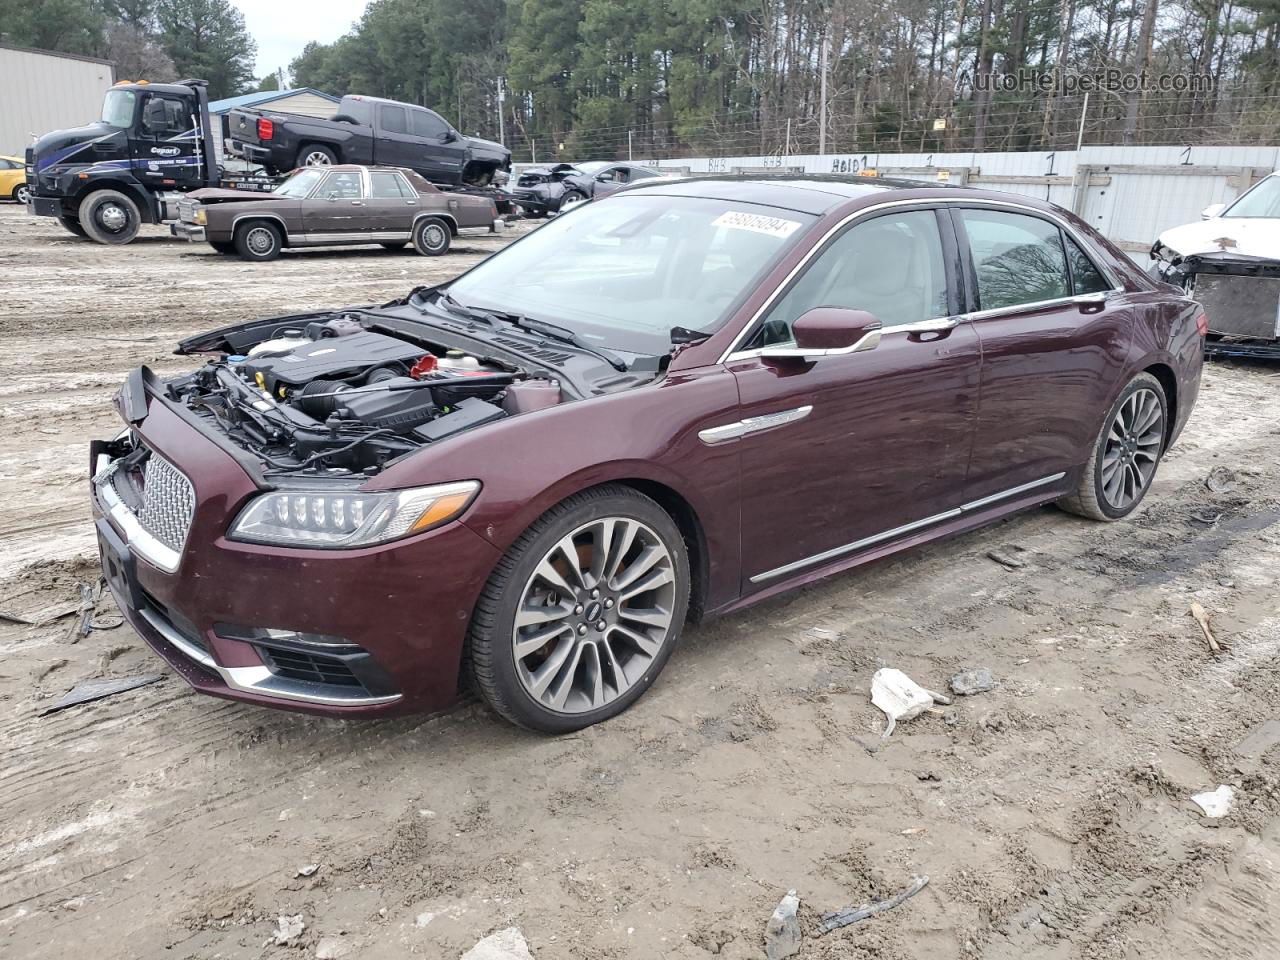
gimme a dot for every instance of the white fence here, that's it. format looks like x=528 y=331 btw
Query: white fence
x=1129 y=194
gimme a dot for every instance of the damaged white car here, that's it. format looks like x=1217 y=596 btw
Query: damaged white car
x=1230 y=262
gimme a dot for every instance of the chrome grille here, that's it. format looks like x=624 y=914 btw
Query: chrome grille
x=187 y=211
x=168 y=503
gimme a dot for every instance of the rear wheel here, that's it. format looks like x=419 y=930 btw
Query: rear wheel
x=315 y=155
x=72 y=225
x=109 y=216
x=21 y=193
x=432 y=237
x=1125 y=455
x=581 y=615
x=258 y=240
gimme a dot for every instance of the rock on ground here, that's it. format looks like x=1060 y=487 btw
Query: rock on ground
x=782 y=933
x=969 y=682
x=508 y=944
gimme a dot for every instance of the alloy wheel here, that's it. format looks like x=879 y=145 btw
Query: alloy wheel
x=569 y=202
x=594 y=615
x=433 y=236
x=316 y=158
x=22 y=194
x=1132 y=448
x=260 y=240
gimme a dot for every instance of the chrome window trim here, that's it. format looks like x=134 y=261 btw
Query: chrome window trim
x=732 y=352
x=881 y=537
x=257 y=679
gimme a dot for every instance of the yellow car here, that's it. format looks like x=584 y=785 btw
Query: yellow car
x=13 y=179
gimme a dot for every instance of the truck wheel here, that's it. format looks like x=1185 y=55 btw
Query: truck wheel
x=72 y=225
x=258 y=240
x=109 y=216
x=431 y=237
x=315 y=155
x=21 y=193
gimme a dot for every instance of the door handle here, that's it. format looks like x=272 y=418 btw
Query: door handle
x=357 y=203
x=929 y=330
x=411 y=203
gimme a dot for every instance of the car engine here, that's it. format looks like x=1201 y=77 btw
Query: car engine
x=334 y=397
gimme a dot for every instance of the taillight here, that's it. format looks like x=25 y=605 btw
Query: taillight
x=1202 y=324
x=266 y=129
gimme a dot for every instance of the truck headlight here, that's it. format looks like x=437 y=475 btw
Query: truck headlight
x=202 y=216
x=306 y=517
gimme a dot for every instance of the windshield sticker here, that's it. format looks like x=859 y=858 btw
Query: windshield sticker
x=756 y=223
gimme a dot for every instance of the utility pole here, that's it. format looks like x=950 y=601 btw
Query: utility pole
x=502 y=98
x=630 y=158
x=1084 y=112
x=786 y=149
x=822 y=98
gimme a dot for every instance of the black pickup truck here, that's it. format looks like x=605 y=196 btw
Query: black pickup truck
x=368 y=131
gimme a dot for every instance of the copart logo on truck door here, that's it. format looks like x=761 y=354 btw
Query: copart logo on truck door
x=166 y=151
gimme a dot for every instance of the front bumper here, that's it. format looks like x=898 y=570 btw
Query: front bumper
x=187 y=231
x=44 y=206
x=240 y=621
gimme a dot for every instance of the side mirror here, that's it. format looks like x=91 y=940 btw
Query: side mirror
x=1212 y=210
x=829 y=332
x=450 y=136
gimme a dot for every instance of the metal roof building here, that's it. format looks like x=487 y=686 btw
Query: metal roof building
x=42 y=91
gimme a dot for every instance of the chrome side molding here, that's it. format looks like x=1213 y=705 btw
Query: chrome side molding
x=904 y=529
x=740 y=428
x=868 y=341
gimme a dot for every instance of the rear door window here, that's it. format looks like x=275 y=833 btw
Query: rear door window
x=1017 y=259
x=388 y=186
x=392 y=119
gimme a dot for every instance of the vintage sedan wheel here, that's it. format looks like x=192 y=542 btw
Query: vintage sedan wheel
x=1125 y=455
x=582 y=613
x=432 y=237
x=109 y=216
x=258 y=240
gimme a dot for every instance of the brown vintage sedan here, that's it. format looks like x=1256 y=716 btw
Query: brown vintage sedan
x=332 y=206
x=670 y=403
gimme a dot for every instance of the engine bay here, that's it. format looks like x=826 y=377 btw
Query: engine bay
x=332 y=397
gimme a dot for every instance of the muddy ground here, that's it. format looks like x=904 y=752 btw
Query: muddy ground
x=1051 y=815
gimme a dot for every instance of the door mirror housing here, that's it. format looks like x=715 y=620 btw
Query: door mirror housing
x=450 y=136
x=830 y=332
x=1212 y=210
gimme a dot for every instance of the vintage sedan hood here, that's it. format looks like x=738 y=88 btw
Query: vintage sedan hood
x=220 y=195
x=1247 y=236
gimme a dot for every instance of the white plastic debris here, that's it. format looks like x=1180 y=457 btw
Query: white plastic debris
x=900 y=697
x=1215 y=803
x=288 y=929
x=782 y=936
x=508 y=944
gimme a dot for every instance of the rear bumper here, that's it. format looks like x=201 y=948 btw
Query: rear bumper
x=188 y=231
x=361 y=632
x=255 y=154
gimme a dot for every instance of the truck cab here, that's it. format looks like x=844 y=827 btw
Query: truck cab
x=150 y=144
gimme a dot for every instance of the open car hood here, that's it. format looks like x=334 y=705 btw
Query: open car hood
x=1241 y=236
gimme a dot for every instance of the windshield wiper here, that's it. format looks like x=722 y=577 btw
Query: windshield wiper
x=563 y=334
x=462 y=310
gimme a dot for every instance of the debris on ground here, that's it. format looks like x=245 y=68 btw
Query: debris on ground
x=508 y=944
x=782 y=935
x=90 y=594
x=968 y=682
x=1215 y=803
x=1207 y=517
x=900 y=697
x=1220 y=480
x=14 y=618
x=1202 y=618
x=308 y=870
x=842 y=918
x=1010 y=556
x=288 y=929
x=92 y=690
x=331 y=948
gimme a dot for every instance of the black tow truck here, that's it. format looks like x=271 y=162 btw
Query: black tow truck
x=151 y=145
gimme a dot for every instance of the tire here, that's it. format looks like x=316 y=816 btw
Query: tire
x=222 y=246
x=72 y=225
x=316 y=155
x=591 y=668
x=570 y=199
x=394 y=246
x=533 y=214
x=110 y=217
x=1126 y=454
x=20 y=194
x=432 y=237
x=258 y=240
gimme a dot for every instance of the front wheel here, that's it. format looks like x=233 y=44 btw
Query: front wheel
x=583 y=612
x=432 y=237
x=21 y=194
x=1125 y=455
x=571 y=199
x=109 y=216
x=258 y=240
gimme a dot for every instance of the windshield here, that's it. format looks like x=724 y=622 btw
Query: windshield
x=117 y=108
x=623 y=272
x=591 y=166
x=1261 y=201
x=299 y=184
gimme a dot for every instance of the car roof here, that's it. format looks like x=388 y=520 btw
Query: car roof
x=803 y=192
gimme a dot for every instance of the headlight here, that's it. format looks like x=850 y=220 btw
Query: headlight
x=346 y=518
x=202 y=216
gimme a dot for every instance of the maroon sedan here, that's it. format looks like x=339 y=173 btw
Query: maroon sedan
x=667 y=404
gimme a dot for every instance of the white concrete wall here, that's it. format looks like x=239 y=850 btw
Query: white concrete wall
x=40 y=92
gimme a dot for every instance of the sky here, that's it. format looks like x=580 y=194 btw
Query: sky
x=283 y=27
